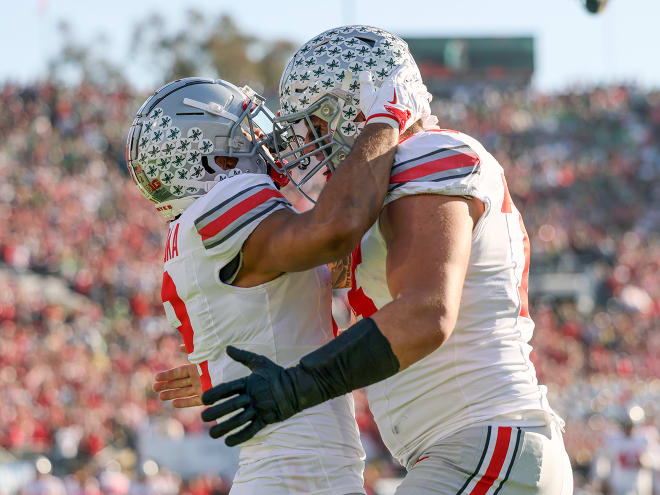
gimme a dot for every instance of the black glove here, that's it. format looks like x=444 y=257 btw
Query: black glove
x=359 y=357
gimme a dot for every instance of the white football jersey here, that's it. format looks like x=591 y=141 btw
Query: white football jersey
x=482 y=373
x=283 y=319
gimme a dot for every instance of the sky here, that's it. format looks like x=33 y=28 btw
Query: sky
x=572 y=47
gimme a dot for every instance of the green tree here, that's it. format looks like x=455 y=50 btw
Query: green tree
x=211 y=48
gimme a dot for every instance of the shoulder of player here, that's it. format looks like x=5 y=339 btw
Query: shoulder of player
x=233 y=188
x=231 y=205
x=431 y=152
x=433 y=142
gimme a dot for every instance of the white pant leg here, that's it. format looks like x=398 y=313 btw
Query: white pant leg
x=493 y=460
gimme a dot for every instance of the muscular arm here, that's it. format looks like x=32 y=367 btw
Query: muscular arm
x=428 y=241
x=428 y=248
x=348 y=205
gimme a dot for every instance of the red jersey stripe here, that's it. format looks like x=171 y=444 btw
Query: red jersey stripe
x=168 y=293
x=522 y=289
x=205 y=377
x=360 y=303
x=460 y=160
x=496 y=461
x=217 y=225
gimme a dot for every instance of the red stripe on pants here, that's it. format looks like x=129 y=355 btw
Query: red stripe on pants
x=496 y=461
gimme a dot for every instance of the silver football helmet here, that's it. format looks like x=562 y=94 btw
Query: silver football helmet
x=182 y=127
x=322 y=80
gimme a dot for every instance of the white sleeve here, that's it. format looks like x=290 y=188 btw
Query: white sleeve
x=434 y=163
x=235 y=207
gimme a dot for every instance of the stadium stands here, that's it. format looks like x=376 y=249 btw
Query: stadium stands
x=83 y=331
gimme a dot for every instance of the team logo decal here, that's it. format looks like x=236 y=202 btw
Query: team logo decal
x=348 y=128
x=195 y=134
x=349 y=112
x=194 y=157
x=148 y=125
x=163 y=163
x=157 y=136
x=178 y=160
x=184 y=145
x=154 y=151
x=167 y=177
x=206 y=146
x=168 y=149
x=196 y=172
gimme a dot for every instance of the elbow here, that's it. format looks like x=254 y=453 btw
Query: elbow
x=341 y=237
x=438 y=320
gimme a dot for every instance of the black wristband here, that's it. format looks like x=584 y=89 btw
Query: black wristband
x=358 y=357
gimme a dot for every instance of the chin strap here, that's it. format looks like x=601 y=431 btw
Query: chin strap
x=279 y=179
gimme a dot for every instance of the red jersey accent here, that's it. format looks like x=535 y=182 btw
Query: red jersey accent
x=460 y=160
x=522 y=288
x=358 y=300
x=240 y=209
x=394 y=100
x=507 y=207
x=206 y=377
x=496 y=462
x=168 y=293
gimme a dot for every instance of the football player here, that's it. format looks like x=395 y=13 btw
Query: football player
x=197 y=149
x=440 y=281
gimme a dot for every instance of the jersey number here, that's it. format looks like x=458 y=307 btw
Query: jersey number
x=169 y=294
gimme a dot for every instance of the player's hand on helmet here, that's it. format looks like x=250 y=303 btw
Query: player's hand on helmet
x=183 y=384
x=265 y=396
x=400 y=101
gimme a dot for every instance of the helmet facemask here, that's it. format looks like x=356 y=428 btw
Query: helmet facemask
x=322 y=80
x=299 y=142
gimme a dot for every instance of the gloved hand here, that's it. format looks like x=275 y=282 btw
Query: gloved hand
x=360 y=356
x=400 y=101
x=266 y=395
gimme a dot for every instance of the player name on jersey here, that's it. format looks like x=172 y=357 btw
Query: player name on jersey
x=172 y=245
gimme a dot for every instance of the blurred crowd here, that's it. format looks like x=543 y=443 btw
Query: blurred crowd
x=76 y=363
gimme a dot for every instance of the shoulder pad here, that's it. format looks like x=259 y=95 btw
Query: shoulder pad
x=235 y=206
x=439 y=157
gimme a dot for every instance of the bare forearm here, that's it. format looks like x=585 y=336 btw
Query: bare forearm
x=415 y=328
x=354 y=195
x=347 y=207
